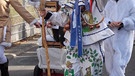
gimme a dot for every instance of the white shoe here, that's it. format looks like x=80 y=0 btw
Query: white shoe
x=6 y=44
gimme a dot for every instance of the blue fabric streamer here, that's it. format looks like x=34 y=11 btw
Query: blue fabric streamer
x=87 y=5
x=73 y=32
x=76 y=32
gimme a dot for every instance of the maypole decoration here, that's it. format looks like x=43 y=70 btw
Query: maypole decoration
x=44 y=43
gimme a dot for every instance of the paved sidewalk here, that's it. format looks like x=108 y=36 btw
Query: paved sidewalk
x=21 y=46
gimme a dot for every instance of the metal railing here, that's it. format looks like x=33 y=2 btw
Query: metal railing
x=20 y=29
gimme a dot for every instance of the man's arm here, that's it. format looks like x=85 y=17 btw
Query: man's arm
x=23 y=12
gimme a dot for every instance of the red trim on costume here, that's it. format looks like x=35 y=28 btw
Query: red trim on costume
x=91 y=1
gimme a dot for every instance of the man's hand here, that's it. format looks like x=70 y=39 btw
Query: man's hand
x=115 y=24
x=37 y=24
x=49 y=24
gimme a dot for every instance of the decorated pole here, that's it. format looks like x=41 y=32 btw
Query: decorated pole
x=44 y=43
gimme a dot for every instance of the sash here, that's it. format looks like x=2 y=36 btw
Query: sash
x=76 y=28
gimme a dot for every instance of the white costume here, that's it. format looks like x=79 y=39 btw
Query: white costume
x=49 y=37
x=91 y=62
x=118 y=48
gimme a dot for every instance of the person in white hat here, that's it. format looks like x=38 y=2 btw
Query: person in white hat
x=93 y=32
x=118 y=48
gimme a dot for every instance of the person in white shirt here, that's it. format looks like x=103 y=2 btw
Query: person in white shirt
x=120 y=17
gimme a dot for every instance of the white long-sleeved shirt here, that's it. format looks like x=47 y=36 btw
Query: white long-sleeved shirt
x=124 y=11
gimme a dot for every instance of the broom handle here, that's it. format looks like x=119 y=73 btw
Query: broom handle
x=44 y=43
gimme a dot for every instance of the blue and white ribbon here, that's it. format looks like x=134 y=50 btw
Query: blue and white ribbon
x=76 y=28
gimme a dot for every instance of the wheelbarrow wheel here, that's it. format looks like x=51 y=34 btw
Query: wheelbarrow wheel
x=38 y=71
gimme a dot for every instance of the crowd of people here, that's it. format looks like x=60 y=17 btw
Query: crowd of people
x=97 y=33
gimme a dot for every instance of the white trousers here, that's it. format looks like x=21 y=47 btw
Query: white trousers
x=112 y=60
x=3 y=58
